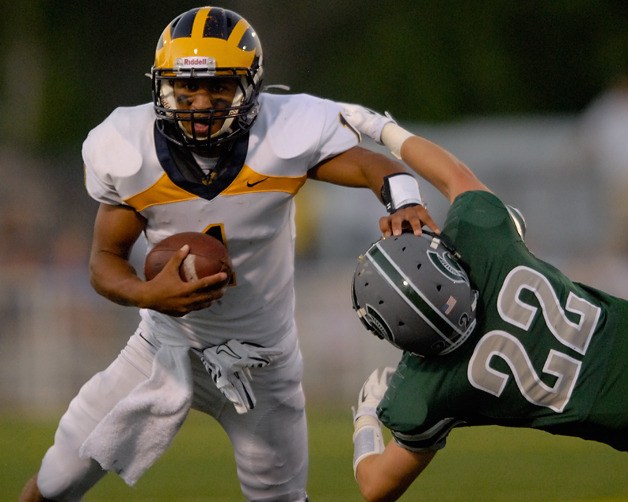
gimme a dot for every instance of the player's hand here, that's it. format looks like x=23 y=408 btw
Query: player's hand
x=366 y=121
x=407 y=218
x=372 y=392
x=169 y=294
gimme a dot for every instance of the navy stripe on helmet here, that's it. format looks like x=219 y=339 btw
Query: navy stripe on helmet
x=249 y=41
x=220 y=23
x=182 y=26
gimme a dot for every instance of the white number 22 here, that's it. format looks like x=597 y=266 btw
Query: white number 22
x=498 y=343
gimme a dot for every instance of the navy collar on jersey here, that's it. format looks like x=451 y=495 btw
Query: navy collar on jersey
x=183 y=171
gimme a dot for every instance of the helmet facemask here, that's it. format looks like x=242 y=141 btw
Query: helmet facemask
x=236 y=116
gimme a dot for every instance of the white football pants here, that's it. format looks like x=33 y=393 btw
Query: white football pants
x=270 y=441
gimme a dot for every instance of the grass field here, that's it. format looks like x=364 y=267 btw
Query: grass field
x=482 y=464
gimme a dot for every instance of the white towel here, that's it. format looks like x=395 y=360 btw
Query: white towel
x=138 y=430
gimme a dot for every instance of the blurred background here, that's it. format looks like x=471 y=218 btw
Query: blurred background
x=532 y=95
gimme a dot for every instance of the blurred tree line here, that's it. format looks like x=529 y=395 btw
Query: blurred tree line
x=67 y=64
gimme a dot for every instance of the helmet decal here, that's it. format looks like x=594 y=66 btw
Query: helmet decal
x=447 y=265
x=449 y=305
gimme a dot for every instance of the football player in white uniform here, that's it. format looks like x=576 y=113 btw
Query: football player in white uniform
x=211 y=154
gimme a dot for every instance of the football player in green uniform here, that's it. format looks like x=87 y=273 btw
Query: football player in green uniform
x=491 y=334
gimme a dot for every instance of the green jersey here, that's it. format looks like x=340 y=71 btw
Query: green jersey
x=547 y=353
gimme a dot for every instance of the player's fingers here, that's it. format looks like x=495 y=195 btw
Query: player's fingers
x=399 y=220
x=394 y=224
x=428 y=221
x=211 y=282
x=384 y=226
x=412 y=221
x=210 y=288
x=177 y=258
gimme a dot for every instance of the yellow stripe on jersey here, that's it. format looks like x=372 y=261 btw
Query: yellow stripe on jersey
x=250 y=181
x=164 y=191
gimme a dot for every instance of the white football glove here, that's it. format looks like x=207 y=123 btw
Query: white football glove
x=366 y=121
x=229 y=364
x=367 y=432
x=372 y=392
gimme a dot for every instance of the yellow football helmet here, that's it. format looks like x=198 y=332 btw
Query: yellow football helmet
x=206 y=43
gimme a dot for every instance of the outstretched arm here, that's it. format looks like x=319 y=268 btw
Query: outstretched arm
x=436 y=165
x=359 y=167
x=430 y=161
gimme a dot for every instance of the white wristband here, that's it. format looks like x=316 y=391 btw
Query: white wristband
x=399 y=190
x=393 y=137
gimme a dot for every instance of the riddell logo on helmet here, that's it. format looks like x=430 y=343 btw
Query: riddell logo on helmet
x=196 y=62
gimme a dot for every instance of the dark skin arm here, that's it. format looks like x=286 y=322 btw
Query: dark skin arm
x=362 y=168
x=116 y=230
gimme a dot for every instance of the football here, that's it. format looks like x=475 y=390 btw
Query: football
x=207 y=256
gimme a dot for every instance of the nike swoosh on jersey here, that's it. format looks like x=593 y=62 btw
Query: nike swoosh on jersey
x=249 y=184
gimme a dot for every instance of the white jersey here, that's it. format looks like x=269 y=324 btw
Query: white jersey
x=254 y=213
